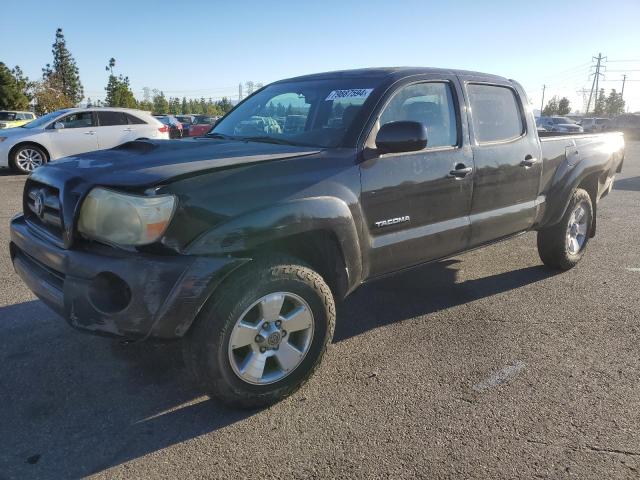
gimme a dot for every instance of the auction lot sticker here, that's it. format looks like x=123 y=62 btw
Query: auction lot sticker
x=350 y=93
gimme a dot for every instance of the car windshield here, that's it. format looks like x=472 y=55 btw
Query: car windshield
x=45 y=119
x=314 y=113
x=7 y=116
x=561 y=120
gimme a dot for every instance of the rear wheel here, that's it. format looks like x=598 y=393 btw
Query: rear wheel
x=262 y=337
x=562 y=245
x=26 y=158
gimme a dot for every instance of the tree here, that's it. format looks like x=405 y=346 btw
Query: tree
x=64 y=72
x=601 y=103
x=110 y=65
x=13 y=86
x=49 y=97
x=563 y=106
x=119 y=93
x=174 y=106
x=145 y=105
x=225 y=105
x=614 y=104
x=551 y=108
x=160 y=104
x=185 y=106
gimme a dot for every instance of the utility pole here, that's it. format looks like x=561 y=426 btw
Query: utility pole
x=544 y=87
x=596 y=79
x=624 y=79
x=583 y=92
x=240 y=91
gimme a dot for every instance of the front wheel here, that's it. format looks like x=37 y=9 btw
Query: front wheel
x=561 y=246
x=262 y=337
x=26 y=158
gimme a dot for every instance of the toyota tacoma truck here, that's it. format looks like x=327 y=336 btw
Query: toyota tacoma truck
x=240 y=243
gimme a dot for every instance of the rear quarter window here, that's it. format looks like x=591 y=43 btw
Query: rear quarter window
x=495 y=112
x=133 y=120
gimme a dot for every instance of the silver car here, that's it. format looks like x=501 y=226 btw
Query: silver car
x=559 y=124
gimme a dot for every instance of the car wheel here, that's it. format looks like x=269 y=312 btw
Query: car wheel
x=26 y=158
x=263 y=335
x=561 y=246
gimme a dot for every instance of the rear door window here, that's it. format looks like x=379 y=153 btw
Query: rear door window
x=109 y=119
x=495 y=112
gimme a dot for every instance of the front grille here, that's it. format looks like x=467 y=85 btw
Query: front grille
x=43 y=208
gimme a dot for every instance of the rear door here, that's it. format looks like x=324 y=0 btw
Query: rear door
x=415 y=209
x=113 y=129
x=138 y=128
x=506 y=153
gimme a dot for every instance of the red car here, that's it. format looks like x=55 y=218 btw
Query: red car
x=202 y=124
x=175 y=127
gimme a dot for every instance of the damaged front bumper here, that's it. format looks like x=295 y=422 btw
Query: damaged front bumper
x=108 y=291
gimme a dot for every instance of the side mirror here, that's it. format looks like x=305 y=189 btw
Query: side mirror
x=58 y=125
x=403 y=136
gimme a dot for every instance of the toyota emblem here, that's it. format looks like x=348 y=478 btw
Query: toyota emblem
x=39 y=204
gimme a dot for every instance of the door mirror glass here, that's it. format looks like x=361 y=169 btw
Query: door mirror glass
x=402 y=136
x=58 y=125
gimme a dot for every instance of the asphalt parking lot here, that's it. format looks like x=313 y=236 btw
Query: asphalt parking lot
x=486 y=365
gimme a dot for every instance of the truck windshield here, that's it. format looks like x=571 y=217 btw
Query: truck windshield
x=314 y=113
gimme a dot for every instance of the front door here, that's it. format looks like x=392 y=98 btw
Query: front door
x=78 y=134
x=506 y=157
x=416 y=210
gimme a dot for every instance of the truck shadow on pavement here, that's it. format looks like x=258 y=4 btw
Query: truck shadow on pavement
x=75 y=404
x=422 y=291
x=631 y=184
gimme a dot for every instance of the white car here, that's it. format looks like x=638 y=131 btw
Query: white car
x=73 y=131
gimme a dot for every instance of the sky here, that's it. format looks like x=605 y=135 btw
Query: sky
x=199 y=48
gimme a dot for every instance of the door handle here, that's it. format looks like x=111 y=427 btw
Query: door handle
x=529 y=161
x=128 y=129
x=460 y=171
x=90 y=133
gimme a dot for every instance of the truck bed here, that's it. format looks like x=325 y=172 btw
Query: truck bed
x=566 y=156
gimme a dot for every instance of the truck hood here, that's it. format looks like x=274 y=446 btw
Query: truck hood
x=143 y=163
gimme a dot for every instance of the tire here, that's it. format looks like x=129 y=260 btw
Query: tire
x=561 y=246
x=209 y=349
x=27 y=157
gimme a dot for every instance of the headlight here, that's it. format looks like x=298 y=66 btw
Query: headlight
x=125 y=219
x=3 y=125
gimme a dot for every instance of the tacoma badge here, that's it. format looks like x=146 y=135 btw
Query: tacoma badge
x=392 y=221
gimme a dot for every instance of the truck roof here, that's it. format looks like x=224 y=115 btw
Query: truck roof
x=388 y=72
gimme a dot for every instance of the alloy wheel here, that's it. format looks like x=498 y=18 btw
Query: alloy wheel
x=271 y=338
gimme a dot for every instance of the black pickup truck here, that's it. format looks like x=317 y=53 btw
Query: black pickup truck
x=240 y=243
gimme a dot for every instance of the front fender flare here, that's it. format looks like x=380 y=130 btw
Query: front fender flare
x=250 y=231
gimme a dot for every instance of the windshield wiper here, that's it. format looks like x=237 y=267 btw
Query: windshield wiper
x=220 y=135
x=265 y=139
